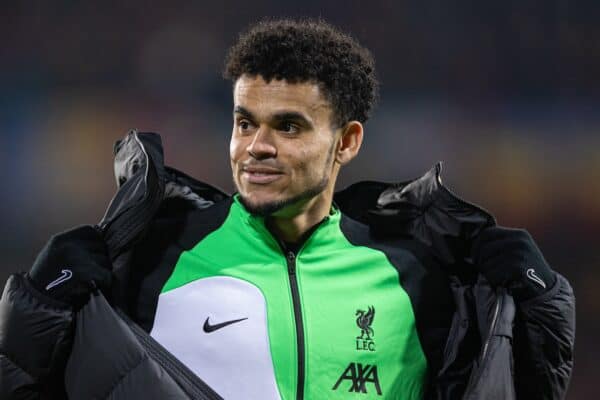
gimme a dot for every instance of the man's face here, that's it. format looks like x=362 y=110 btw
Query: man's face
x=282 y=144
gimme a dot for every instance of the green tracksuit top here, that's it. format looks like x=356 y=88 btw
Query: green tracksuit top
x=256 y=321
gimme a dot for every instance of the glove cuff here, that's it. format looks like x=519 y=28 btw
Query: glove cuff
x=524 y=282
x=510 y=257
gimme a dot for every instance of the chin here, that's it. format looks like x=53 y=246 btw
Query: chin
x=262 y=206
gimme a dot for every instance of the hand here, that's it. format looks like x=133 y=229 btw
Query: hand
x=71 y=264
x=510 y=257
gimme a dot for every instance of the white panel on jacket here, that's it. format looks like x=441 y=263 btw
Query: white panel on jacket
x=233 y=357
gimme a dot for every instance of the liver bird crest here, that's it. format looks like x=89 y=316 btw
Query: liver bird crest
x=364 y=320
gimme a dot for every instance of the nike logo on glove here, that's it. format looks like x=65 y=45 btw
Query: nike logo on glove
x=208 y=328
x=66 y=274
x=534 y=277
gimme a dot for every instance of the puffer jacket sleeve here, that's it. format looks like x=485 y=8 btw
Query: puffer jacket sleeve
x=35 y=340
x=127 y=363
x=544 y=339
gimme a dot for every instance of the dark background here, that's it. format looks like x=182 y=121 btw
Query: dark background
x=506 y=93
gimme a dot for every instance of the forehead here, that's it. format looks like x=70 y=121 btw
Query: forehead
x=263 y=98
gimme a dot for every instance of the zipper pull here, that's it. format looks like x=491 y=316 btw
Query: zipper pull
x=291 y=262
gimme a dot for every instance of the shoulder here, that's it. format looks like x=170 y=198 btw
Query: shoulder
x=176 y=228
x=403 y=251
x=179 y=222
x=421 y=208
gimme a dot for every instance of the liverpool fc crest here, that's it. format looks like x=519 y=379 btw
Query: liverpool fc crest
x=364 y=319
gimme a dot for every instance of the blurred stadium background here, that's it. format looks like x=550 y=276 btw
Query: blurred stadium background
x=506 y=93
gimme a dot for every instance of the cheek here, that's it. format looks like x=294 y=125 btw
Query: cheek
x=309 y=165
x=234 y=149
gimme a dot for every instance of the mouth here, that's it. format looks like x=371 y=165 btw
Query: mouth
x=260 y=176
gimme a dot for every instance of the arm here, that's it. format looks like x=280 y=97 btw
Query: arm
x=37 y=313
x=544 y=336
x=544 y=330
x=35 y=335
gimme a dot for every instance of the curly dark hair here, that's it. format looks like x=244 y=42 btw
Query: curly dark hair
x=309 y=50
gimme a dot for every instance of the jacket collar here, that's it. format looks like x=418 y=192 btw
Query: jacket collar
x=422 y=208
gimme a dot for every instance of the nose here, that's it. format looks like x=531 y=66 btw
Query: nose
x=262 y=145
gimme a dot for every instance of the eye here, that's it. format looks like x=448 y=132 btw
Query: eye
x=244 y=125
x=289 y=127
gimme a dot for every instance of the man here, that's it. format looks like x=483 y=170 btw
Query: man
x=280 y=292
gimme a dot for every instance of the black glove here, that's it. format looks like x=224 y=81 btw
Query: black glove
x=71 y=265
x=510 y=257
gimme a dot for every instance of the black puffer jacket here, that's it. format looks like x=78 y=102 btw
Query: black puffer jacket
x=495 y=349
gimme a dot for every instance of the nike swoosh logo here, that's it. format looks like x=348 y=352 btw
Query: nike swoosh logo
x=208 y=328
x=534 y=277
x=66 y=274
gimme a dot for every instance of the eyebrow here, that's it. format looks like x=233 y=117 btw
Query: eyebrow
x=243 y=111
x=277 y=117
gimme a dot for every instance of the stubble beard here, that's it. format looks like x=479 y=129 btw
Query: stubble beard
x=270 y=208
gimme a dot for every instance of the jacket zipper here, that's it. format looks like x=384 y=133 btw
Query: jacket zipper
x=489 y=338
x=290 y=258
x=475 y=378
x=189 y=382
x=291 y=265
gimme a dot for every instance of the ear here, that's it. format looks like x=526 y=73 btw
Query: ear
x=349 y=142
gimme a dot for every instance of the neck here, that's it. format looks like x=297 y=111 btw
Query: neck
x=291 y=225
